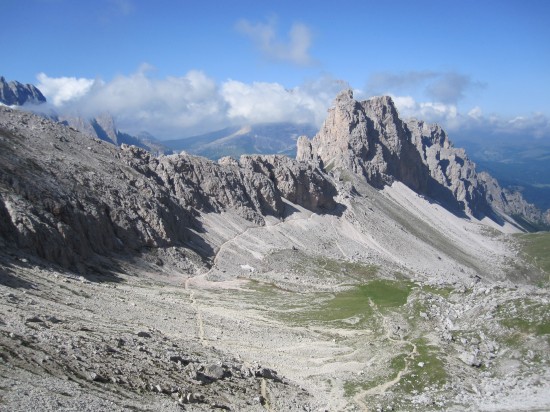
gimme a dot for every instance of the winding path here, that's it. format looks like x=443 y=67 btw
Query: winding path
x=380 y=389
x=202 y=280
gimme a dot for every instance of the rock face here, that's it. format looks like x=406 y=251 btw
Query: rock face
x=368 y=138
x=104 y=127
x=451 y=171
x=300 y=182
x=512 y=203
x=68 y=198
x=15 y=93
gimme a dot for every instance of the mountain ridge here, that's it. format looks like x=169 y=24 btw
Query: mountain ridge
x=18 y=94
x=371 y=140
x=173 y=281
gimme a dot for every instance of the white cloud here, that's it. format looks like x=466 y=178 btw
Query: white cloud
x=193 y=103
x=474 y=124
x=295 y=50
x=62 y=90
x=475 y=113
x=429 y=111
x=271 y=102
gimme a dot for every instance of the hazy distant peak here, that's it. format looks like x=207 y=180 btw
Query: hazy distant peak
x=18 y=94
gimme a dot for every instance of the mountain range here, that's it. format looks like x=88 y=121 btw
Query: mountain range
x=377 y=269
x=269 y=138
x=15 y=93
x=519 y=169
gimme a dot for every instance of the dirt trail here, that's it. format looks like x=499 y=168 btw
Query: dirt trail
x=263 y=392
x=194 y=304
x=384 y=386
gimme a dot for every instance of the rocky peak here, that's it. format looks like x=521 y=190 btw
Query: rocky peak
x=369 y=138
x=17 y=94
x=366 y=138
x=453 y=174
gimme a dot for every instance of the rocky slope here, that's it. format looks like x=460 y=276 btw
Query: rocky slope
x=134 y=281
x=104 y=127
x=67 y=197
x=17 y=94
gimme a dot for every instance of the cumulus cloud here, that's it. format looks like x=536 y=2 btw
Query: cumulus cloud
x=61 y=90
x=441 y=87
x=194 y=103
x=271 y=102
x=474 y=123
x=294 y=50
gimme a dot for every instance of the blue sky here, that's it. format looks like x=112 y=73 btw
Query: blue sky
x=181 y=67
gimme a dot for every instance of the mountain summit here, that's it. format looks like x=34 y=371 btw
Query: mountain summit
x=377 y=269
x=17 y=94
x=368 y=138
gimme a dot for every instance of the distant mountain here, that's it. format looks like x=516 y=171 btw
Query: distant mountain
x=520 y=165
x=268 y=138
x=104 y=127
x=17 y=94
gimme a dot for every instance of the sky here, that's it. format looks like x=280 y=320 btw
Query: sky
x=177 y=68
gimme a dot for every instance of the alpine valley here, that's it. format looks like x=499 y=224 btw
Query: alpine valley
x=378 y=270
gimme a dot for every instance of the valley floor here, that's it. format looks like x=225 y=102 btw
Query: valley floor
x=371 y=308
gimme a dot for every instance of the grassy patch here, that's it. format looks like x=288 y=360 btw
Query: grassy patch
x=327 y=266
x=525 y=316
x=443 y=291
x=397 y=364
x=353 y=308
x=537 y=248
x=426 y=369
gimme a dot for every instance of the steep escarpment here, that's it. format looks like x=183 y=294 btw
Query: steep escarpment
x=450 y=168
x=299 y=182
x=68 y=198
x=369 y=138
x=512 y=203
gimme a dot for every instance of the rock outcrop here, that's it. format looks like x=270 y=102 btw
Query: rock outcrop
x=18 y=94
x=67 y=197
x=299 y=182
x=512 y=203
x=452 y=172
x=368 y=138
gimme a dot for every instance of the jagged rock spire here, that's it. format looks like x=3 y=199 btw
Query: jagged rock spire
x=15 y=93
x=367 y=138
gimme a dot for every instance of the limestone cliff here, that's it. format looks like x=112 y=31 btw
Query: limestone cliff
x=67 y=197
x=370 y=139
x=367 y=138
x=299 y=182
